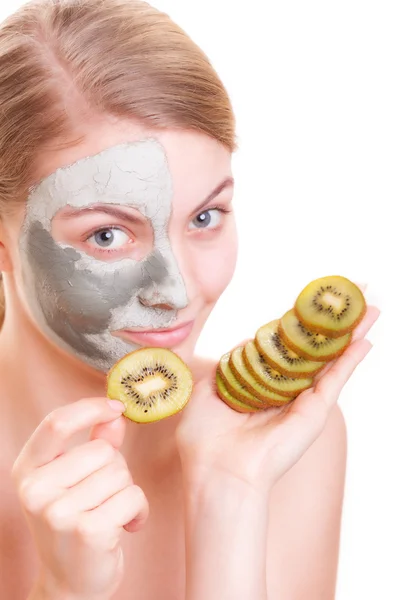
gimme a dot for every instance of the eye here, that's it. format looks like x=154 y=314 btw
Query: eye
x=110 y=237
x=203 y=220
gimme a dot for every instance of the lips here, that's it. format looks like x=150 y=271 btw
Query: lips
x=163 y=338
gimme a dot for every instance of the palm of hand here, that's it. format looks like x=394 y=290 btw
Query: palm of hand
x=265 y=444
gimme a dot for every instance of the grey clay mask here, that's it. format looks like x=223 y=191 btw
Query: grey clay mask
x=79 y=300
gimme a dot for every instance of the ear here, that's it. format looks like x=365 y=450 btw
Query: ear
x=5 y=262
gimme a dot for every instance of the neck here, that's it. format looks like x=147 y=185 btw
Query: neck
x=38 y=377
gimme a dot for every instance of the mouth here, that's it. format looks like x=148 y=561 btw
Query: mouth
x=162 y=338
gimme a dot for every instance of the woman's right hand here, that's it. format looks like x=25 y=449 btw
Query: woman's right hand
x=78 y=500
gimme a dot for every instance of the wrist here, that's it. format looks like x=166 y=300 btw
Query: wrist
x=47 y=588
x=207 y=484
x=223 y=499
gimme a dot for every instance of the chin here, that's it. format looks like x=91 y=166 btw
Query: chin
x=185 y=350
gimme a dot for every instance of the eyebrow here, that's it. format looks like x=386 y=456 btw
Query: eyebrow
x=228 y=182
x=107 y=209
x=120 y=213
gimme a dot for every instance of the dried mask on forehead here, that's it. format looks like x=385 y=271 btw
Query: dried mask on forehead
x=78 y=300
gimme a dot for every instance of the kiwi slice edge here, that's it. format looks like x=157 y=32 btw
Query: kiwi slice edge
x=336 y=345
x=275 y=352
x=261 y=370
x=230 y=400
x=235 y=387
x=239 y=369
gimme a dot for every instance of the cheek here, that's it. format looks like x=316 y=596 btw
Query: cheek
x=215 y=269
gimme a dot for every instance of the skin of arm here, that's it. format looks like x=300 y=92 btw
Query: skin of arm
x=280 y=544
x=226 y=534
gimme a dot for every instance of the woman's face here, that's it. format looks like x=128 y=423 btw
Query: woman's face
x=129 y=231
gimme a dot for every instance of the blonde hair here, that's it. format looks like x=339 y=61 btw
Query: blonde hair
x=63 y=60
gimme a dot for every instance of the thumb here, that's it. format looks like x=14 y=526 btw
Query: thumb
x=113 y=431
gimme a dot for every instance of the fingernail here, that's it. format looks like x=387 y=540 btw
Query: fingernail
x=116 y=405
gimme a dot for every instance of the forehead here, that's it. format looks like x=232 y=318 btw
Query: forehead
x=131 y=173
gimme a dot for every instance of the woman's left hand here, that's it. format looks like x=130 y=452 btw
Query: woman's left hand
x=257 y=449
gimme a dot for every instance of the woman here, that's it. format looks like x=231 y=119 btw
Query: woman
x=116 y=137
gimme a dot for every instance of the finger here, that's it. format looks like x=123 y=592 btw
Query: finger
x=315 y=403
x=51 y=437
x=120 y=510
x=360 y=332
x=329 y=387
x=100 y=529
x=113 y=432
x=370 y=317
x=308 y=413
x=298 y=427
x=93 y=491
x=48 y=483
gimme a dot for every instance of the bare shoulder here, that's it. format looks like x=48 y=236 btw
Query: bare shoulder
x=16 y=545
x=323 y=465
x=305 y=519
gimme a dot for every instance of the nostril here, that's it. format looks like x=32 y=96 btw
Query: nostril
x=143 y=302
x=163 y=306
x=155 y=304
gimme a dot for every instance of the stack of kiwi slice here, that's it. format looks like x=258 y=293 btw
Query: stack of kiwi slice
x=286 y=354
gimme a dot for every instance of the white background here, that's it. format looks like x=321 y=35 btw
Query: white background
x=315 y=88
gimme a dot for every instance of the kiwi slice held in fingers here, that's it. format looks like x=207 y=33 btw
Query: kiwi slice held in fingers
x=271 y=346
x=242 y=374
x=331 y=305
x=270 y=377
x=235 y=387
x=230 y=400
x=153 y=383
x=310 y=345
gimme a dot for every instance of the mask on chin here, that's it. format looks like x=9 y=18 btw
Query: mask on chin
x=78 y=300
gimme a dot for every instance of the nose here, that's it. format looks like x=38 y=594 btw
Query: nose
x=163 y=286
x=171 y=297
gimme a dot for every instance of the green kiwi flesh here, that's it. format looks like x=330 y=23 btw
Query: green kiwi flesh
x=330 y=305
x=271 y=346
x=230 y=400
x=235 y=387
x=242 y=374
x=152 y=383
x=270 y=377
x=306 y=343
